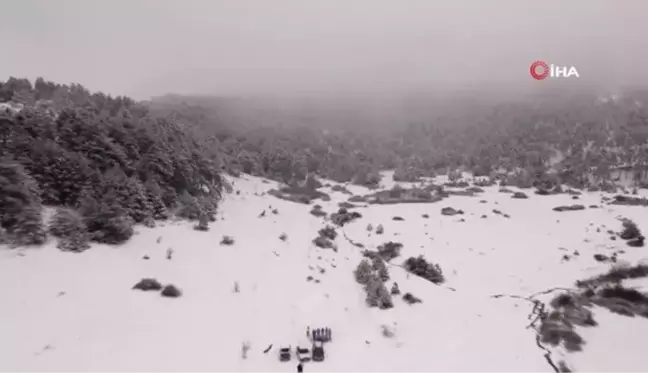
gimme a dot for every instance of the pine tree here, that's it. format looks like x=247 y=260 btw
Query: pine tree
x=20 y=207
x=363 y=272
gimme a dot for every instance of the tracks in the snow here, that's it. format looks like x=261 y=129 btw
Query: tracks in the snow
x=537 y=314
x=352 y=242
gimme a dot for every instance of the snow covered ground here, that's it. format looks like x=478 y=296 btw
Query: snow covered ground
x=77 y=312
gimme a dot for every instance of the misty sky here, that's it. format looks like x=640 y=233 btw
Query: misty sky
x=143 y=48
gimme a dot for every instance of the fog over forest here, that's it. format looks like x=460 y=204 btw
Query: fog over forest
x=278 y=169
x=143 y=48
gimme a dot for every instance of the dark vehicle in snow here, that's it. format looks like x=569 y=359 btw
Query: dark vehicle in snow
x=284 y=354
x=318 y=350
x=303 y=354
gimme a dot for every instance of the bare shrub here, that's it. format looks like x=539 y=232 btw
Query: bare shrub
x=245 y=347
x=387 y=331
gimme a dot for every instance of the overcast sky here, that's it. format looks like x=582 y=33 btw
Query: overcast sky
x=143 y=48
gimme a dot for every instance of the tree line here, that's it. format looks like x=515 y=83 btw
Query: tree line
x=108 y=163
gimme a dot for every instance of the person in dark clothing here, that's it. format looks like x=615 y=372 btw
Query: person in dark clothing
x=300 y=368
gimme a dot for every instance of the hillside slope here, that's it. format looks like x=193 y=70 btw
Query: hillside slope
x=77 y=312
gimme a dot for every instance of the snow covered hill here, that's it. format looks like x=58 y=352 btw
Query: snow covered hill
x=77 y=312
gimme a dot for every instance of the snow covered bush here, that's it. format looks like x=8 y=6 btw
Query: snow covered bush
x=171 y=291
x=556 y=330
x=227 y=240
x=390 y=250
x=328 y=232
x=128 y=192
x=420 y=267
x=630 y=230
x=189 y=207
x=343 y=217
x=411 y=299
x=28 y=228
x=373 y=278
x=381 y=268
x=632 y=234
x=363 y=272
x=148 y=284
x=106 y=220
x=75 y=243
x=519 y=195
x=323 y=242
x=67 y=224
x=396 y=191
x=203 y=224
x=317 y=211
x=312 y=183
x=377 y=294
x=20 y=205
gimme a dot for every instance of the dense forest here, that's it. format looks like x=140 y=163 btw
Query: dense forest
x=107 y=163
x=577 y=137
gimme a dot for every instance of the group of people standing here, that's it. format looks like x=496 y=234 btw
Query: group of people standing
x=319 y=334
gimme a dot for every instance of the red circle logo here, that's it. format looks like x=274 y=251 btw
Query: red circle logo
x=539 y=65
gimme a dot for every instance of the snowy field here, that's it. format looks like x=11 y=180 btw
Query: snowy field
x=77 y=312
